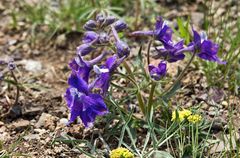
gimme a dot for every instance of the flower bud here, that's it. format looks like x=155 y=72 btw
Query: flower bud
x=109 y=20
x=100 y=18
x=120 y=25
x=90 y=36
x=11 y=65
x=103 y=38
x=158 y=72
x=122 y=49
x=85 y=49
x=90 y=25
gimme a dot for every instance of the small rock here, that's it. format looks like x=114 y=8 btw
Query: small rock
x=197 y=18
x=63 y=121
x=212 y=111
x=225 y=104
x=47 y=121
x=32 y=65
x=204 y=106
x=20 y=125
x=40 y=131
x=31 y=137
x=61 y=41
x=12 y=42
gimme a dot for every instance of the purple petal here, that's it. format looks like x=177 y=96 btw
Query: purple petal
x=77 y=82
x=209 y=47
x=90 y=25
x=196 y=36
x=93 y=105
x=143 y=33
x=85 y=49
x=120 y=25
x=122 y=48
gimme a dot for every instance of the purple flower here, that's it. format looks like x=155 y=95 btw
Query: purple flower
x=158 y=72
x=205 y=48
x=162 y=32
x=90 y=25
x=171 y=53
x=100 y=18
x=120 y=25
x=82 y=67
x=11 y=65
x=109 y=20
x=90 y=36
x=122 y=47
x=102 y=81
x=85 y=49
x=82 y=102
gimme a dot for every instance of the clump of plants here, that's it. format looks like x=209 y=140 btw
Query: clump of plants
x=89 y=95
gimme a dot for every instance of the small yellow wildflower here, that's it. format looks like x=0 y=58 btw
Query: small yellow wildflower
x=121 y=153
x=194 y=118
x=181 y=115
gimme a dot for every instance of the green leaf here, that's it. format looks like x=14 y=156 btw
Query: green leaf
x=172 y=92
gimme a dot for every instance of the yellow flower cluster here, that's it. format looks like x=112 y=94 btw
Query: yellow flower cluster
x=181 y=115
x=186 y=114
x=121 y=153
x=194 y=118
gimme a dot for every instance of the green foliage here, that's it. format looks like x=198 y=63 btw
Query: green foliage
x=184 y=30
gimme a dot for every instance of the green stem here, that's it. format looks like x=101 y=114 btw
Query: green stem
x=139 y=95
x=150 y=100
x=148 y=52
x=181 y=75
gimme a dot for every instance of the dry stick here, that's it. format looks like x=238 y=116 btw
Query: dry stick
x=181 y=75
x=17 y=86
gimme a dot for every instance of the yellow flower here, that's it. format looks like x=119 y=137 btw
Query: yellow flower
x=194 y=118
x=121 y=153
x=186 y=113
x=181 y=115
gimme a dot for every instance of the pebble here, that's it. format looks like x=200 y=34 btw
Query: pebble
x=32 y=65
x=64 y=121
x=224 y=104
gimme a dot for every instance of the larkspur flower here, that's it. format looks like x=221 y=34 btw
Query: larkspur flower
x=109 y=20
x=102 y=81
x=158 y=72
x=206 y=49
x=82 y=102
x=81 y=97
x=161 y=33
x=83 y=67
x=90 y=25
x=85 y=48
x=122 y=47
x=171 y=52
x=100 y=18
x=90 y=36
x=11 y=64
x=121 y=153
x=120 y=25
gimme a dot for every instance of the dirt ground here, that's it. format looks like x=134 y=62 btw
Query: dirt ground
x=42 y=69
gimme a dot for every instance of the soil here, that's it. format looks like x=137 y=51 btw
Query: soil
x=41 y=113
